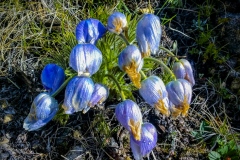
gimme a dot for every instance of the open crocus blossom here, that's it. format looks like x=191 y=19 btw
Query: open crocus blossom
x=117 y=23
x=77 y=94
x=155 y=94
x=183 y=70
x=89 y=31
x=129 y=115
x=43 y=109
x=100 y=94
x=148 y=141
x=180 y=94
x=52 y=77
x=148 y=34
x=85 y=59
x=131 y=62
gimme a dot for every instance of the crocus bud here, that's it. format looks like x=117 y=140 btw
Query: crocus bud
x=89 y=31
x=131 y=62
x=43 y=109
x=77 y=94
x=117 y=23
x=148 y=141
x=129 y=115
x=180 y=94
x=85 y=59
x=155 y=94
x=52 y=77
x=100 y=94
x=183 y=70
x=148 y=34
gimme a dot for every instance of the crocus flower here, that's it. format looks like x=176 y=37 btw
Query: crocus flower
x=77 y=94
x=183 y=70
x=148 y=141
x=155 y=94
x=85 y=59
x=117 y=23
x=129 y=115
x=148 y=34
x=52 y=77
x=180 y=94
x=131 y=62
x=100 y=94
x=43 y=109
x=89 y=31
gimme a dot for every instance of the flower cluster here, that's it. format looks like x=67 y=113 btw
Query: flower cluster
x=82 y=93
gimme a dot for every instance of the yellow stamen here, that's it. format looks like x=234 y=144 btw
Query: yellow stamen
x=64 y=108
x=175 y=112
x=160 y=105
x=135 y=129
x=148 y=53
x=118 y=25
x=135 y=77
x=185 y=106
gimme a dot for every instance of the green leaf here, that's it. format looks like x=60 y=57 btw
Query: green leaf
x=214 y=156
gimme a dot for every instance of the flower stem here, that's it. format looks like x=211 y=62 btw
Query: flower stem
x=143 y=74
x=124 y=38
x=117 y=84
x=162 y=64
x=169 y=52
x=63 y=85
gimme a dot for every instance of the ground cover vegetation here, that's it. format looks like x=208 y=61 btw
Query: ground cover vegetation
x=36 y=33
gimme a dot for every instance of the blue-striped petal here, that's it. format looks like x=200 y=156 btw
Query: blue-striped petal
x=155 y=94
x=85 y=59
x=148 y=34
x=146 y=144
x=43 y=109
x=117 y=22
x=52 y=77
x=129 y=115
x=180 y=94
x=100 y=94
x=77 y=94
x=130 y=61
x=90 y=31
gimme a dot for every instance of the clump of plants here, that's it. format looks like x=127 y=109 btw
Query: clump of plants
x=112 y=61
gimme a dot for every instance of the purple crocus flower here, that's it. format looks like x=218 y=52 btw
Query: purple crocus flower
x=52 y=77
x=155 y=94
x=89 y=31
x=85 y=59
x=183 y=70
x=78 y=94
x=129 y=115
x=148 y=141
x=180 y=94
x=131 y=62
x=148 y=34
x=100 y=94
x=43 y=109
x=117 y=23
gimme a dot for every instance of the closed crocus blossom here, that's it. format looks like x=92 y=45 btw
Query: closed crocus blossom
x=155 y=94
x=85 y=59
x=117 y=23
x=129 y=115
x=148 y=34
x=148 y=141
x=89 y=31
x=131 y=62
x=180 y=94
x=100 y=94
x=43 y=109
x=77 y=94
x=52 y=77
x=183 y=70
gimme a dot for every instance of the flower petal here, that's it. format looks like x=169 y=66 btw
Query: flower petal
x=117 y=22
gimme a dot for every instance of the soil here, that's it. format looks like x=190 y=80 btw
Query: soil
x=83 y=135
